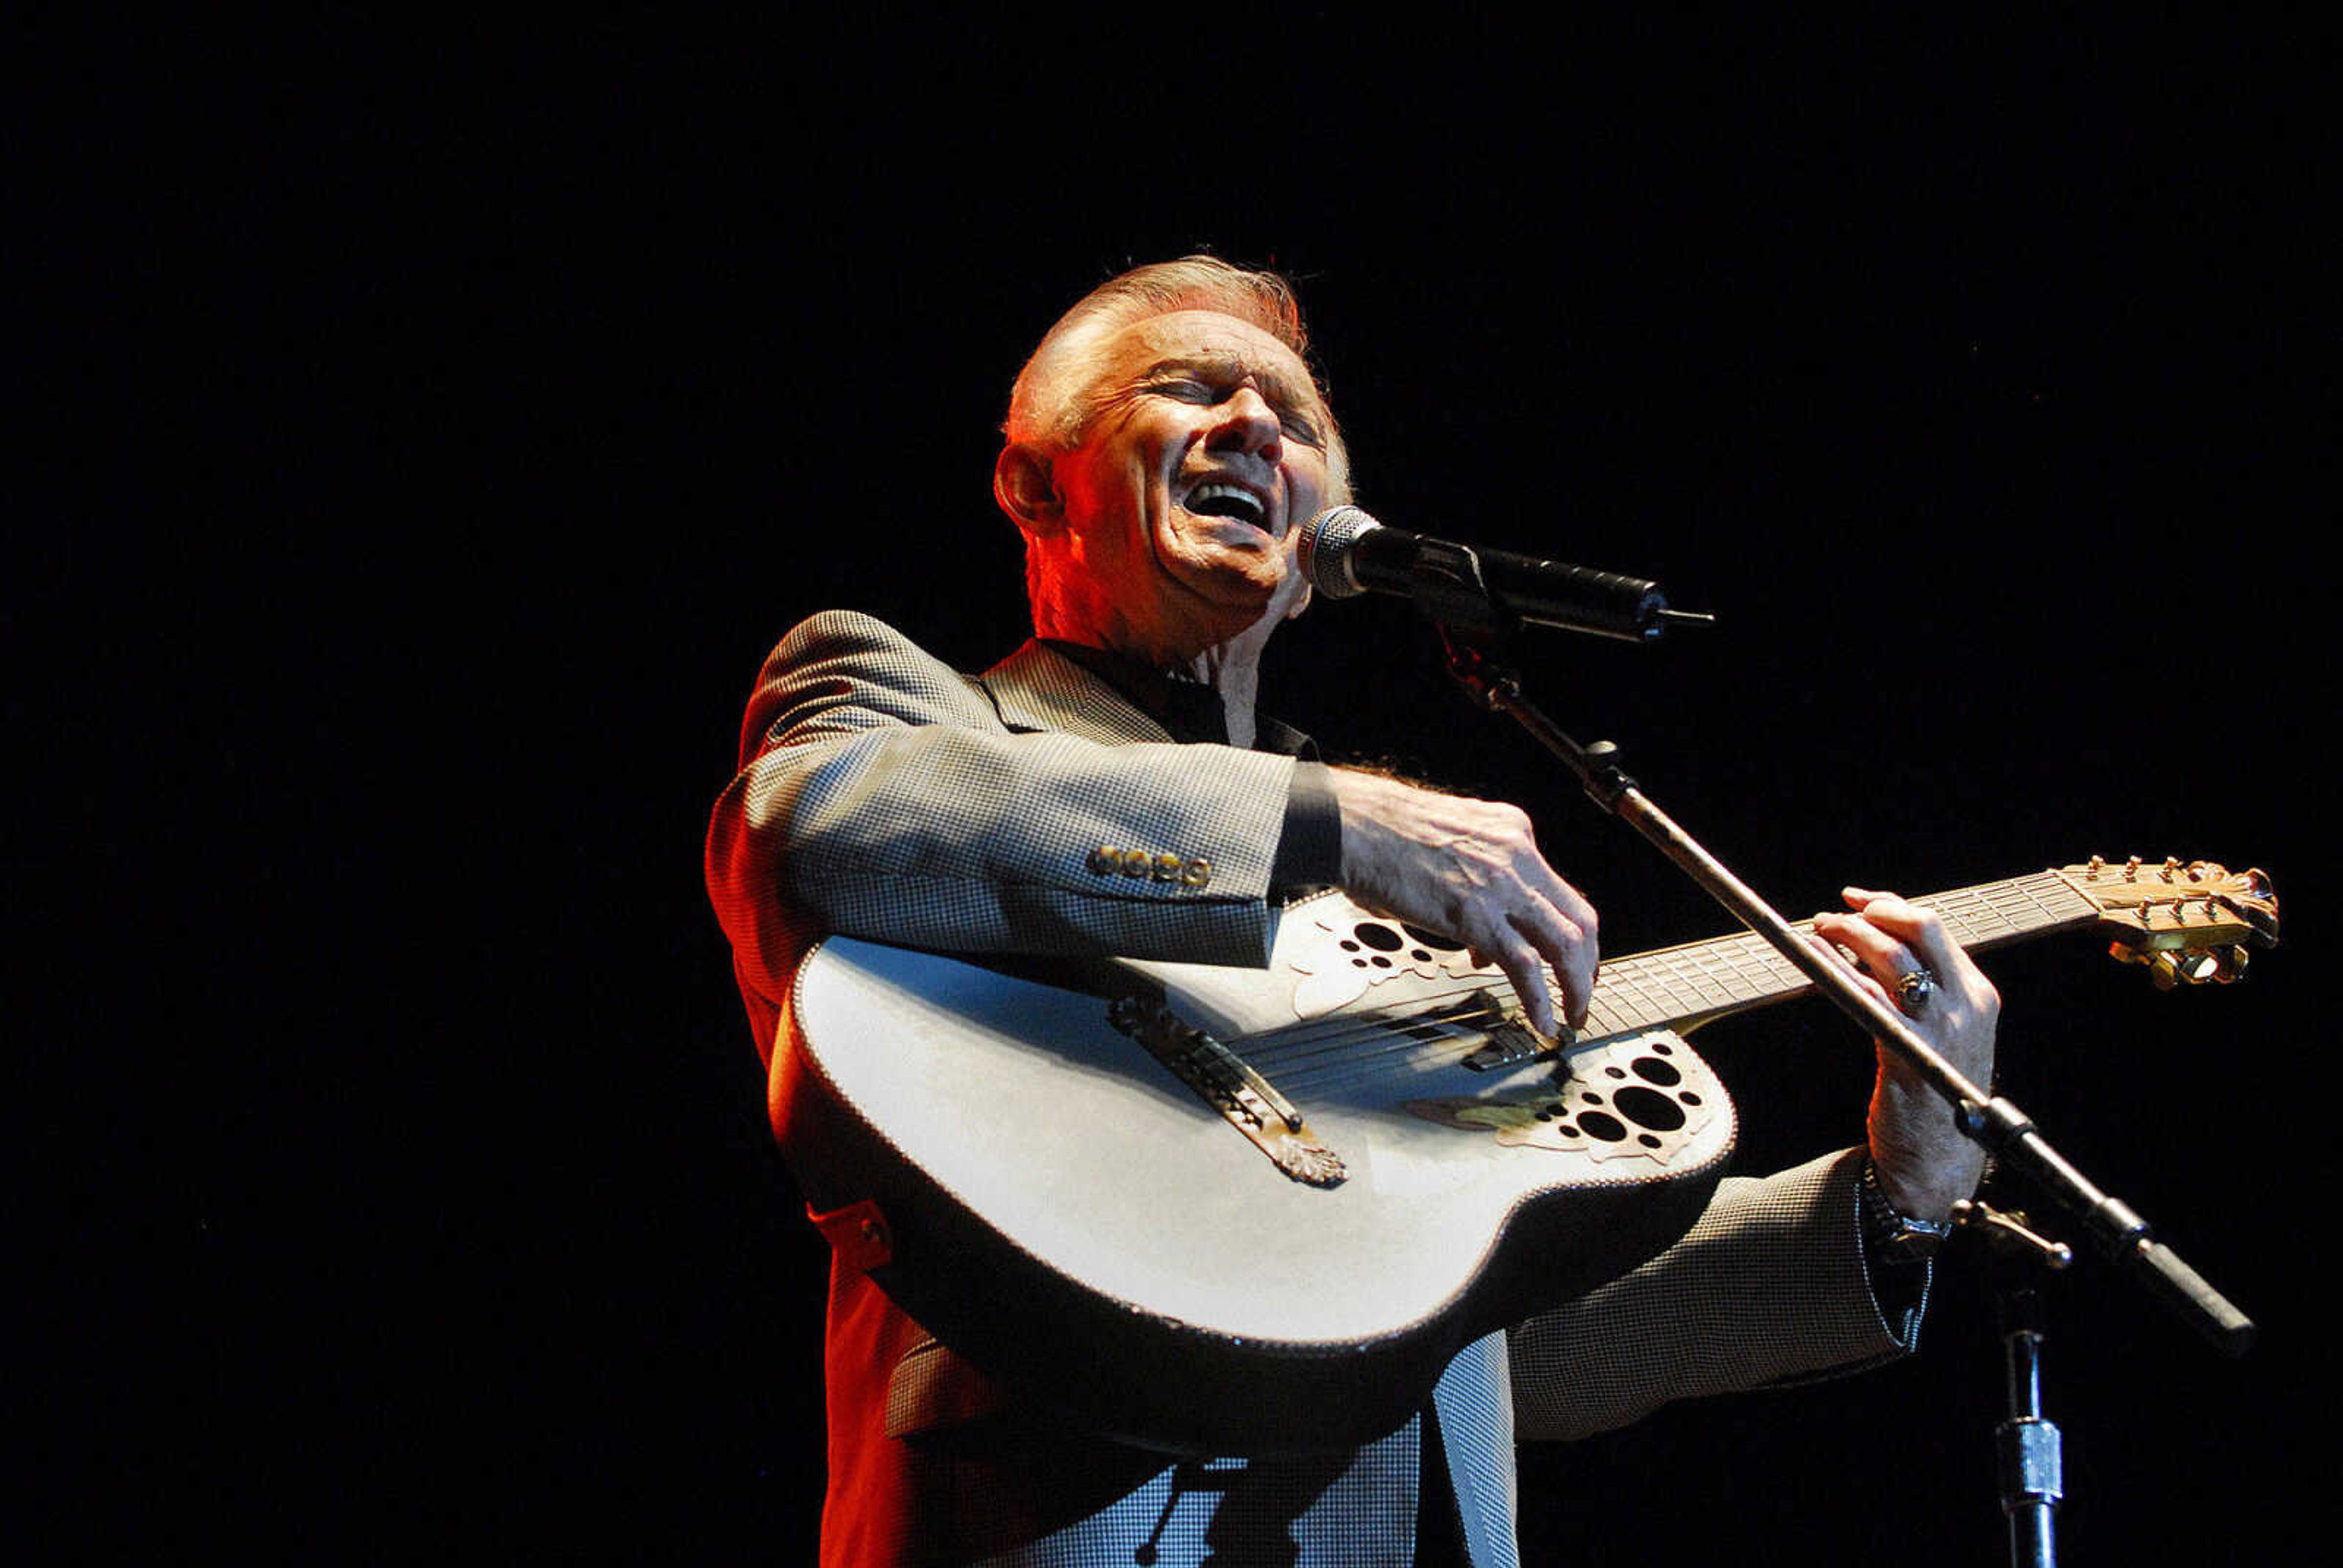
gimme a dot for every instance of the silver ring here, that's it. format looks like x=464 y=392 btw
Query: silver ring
x=1913 y=992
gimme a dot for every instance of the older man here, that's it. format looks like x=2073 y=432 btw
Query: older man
x=1166 y=443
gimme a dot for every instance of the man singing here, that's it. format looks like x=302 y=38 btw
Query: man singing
x=1164 y=446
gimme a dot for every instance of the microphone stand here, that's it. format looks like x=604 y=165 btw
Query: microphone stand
x=2026 y=1445
x=1468 y=619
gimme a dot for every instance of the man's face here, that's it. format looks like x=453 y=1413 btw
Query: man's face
x=1204 y=452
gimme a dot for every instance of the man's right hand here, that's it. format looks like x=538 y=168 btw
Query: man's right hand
x=1471 y=870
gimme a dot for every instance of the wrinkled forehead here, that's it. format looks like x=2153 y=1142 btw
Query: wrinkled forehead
x=1205 y=339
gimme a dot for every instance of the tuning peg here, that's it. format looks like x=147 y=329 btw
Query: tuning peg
x=2169 y=968
x=2256 y=903
x=2230 y=965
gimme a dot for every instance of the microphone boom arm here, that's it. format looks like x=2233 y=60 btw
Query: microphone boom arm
x=1999 y=1126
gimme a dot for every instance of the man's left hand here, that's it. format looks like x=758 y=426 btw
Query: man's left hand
x=1925 y=1164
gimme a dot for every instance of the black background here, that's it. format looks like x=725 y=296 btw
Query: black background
x=437 y=429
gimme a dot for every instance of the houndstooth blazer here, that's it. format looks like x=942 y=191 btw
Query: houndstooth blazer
x=883 y=795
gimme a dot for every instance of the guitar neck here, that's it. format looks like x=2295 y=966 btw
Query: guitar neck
x=1681 y=986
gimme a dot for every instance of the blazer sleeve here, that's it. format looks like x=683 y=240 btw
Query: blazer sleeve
x=881 y=795
x=1768 y=1287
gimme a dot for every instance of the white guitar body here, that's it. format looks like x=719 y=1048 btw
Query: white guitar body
x=1059 y=1204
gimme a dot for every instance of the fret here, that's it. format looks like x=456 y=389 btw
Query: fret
x=1999 y=911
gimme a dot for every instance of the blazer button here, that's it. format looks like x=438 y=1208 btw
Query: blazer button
x=1196 y=874
x=1167 y=868
x=1105 y=861
x=1135 y=863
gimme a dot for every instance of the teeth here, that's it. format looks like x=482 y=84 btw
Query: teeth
x=1248 y=504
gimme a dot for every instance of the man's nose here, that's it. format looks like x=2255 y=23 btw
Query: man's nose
x=1249 y=424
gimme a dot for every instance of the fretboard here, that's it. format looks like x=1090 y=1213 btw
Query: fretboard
x=1675 y=987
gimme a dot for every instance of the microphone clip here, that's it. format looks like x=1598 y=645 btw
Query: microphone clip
x=1447 y=585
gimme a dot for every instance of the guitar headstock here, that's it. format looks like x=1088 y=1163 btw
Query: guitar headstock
x=2188 y=923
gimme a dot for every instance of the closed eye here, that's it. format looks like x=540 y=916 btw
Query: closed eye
x=1292 y=424
x=1188 y=389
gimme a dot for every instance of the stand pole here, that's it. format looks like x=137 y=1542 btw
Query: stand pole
x=2000 y=1126
x=2026 y=1445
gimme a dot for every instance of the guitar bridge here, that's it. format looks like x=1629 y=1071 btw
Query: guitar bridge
x=1505 y=1041
x=1228 y=1083
x=1514 y=1042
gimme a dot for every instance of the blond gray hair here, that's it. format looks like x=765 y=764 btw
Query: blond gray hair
x=1051 y=403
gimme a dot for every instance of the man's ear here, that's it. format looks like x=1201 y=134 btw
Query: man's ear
x=1025 y=483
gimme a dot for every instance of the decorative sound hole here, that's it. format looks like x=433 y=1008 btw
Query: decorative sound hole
x=1652 y=1069
x=1558 y=1113
x=1603 y=1125
x=1386 y=939
x=1649 y=1108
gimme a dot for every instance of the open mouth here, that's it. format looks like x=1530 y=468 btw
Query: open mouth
x=1213 y=499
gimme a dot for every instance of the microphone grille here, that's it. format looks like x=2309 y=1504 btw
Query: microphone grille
x=1327 y=540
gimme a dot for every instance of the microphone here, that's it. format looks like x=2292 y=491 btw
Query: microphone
x=1345 y=552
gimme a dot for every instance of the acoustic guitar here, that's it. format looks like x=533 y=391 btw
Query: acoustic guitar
x=1213 y=1209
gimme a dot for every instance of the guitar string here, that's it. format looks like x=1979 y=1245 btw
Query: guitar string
x=1327 y=1057
x=1320 y=1059
x=1324 y=1055
x=1653 y=988
x=1630 y=1002
x=1333 y=1058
